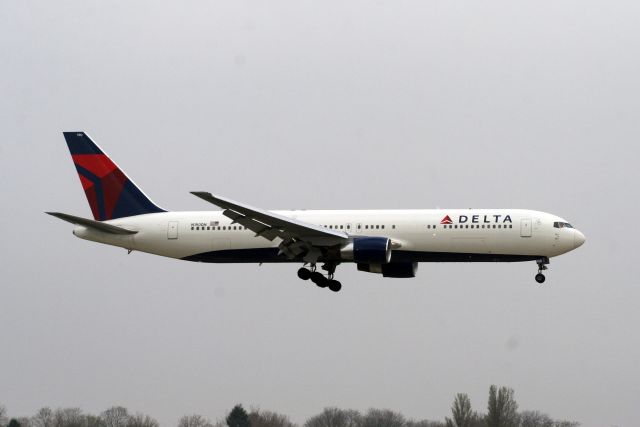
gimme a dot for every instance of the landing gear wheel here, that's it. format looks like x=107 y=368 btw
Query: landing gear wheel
x=542 y=265
x=334 y=285
x=319 y=279
x=304 y=274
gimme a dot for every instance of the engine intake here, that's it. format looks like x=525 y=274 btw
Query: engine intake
x=368 y=250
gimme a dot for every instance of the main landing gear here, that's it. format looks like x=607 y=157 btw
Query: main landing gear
x=319 y=279
x=542 y=265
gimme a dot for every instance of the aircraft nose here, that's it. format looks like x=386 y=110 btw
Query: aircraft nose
x=578 y=239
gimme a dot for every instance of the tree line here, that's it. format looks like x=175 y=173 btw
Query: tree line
x=502 y=411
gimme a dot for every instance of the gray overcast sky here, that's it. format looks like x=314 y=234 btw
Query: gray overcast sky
x=333 y=104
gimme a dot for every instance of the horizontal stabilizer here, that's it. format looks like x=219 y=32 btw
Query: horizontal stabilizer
x=89 y=223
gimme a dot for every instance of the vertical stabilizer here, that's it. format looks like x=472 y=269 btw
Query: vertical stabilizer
x=110 y=193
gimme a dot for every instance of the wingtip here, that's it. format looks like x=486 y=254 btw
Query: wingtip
x=58 y=215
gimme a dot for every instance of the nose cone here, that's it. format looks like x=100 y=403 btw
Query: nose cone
x=578 y=239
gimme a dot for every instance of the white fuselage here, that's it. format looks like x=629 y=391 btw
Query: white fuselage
x=417 y=235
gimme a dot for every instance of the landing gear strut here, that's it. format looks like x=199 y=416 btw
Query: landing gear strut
x=542 y=265
x=319 y=279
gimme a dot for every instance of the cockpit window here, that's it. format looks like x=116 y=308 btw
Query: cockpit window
x=558 y=224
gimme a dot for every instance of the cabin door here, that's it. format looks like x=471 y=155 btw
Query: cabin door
x=172 y=230
x=525 y=227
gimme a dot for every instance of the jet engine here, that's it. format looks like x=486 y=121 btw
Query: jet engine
x=368 y=250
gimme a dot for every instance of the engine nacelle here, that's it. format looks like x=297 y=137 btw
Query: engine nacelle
x=368 y=250
x=392 y=269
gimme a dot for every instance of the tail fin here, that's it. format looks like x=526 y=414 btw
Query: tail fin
x=111 y=194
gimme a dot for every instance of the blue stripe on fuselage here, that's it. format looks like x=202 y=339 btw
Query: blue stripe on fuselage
x=271 y=255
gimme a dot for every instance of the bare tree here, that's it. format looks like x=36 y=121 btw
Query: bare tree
x=535 y=419
x=43 y=418
x=382 y=418
x=69 y=417
x=461 y=412
x=335 y=417
x=478 y=420
x=142 y=420
x=116 y=416
x=502 y=408
x=259 y=418
x=94 y=421
x=194 y=421
x=3 y=416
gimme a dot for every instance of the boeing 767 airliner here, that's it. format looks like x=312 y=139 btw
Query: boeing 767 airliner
x=387 y=242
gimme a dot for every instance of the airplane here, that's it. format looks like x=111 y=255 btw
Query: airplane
x=386 y=242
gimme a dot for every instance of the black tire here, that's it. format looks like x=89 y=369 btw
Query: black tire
x=540 y=278
x=319 y=279
x=334 y=285
x=304 y=274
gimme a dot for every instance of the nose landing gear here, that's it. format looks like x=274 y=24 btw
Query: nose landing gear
x=319 y=279
x=542 y=265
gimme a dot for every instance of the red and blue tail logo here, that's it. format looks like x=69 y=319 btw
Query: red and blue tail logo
x=111 y=194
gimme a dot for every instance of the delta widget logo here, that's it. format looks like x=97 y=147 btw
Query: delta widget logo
x=446 y=220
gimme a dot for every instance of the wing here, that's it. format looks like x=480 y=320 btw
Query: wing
x=298 y=238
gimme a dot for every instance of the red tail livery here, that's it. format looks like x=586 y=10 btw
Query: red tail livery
x=110 y=193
